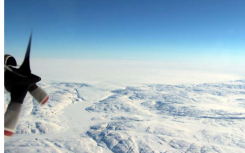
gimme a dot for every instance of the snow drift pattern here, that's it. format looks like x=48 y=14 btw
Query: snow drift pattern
x=151 y=118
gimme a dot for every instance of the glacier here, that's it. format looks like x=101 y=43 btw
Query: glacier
x=146 y=118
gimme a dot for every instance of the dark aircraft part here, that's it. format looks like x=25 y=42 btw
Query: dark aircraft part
x=21 y=76
x=18 y=81
x=11 y=80
x=9 y=60
x=25 y=66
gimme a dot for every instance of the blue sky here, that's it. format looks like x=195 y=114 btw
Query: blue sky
x=162 y=30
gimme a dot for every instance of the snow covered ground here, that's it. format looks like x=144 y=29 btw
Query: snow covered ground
x=142 y=108
x=80 y=117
